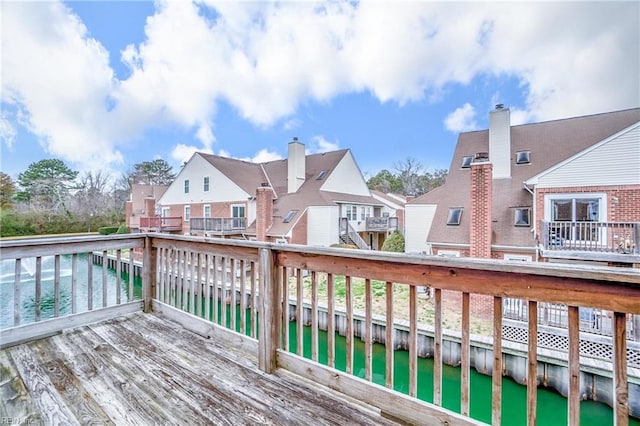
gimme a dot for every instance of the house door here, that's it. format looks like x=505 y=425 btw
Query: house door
x=580 y=215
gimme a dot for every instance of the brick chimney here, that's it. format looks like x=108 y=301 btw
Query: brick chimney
x=264 y=211
x=481 y=199
x=500 y=141
x=296 y=165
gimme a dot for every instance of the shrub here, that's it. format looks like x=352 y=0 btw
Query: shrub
x=394 y=243
x=108 y=230
x=123 y=229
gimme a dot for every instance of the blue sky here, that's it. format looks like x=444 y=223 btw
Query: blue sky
x=104 y=85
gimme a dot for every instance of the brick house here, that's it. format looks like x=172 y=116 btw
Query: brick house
x=562 y=190
x=319 y=199
x=141 y=205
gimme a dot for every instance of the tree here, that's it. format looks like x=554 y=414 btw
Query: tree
x=386 y=182
x=156 y=172
x=45 y=185
x=7 y=190
x=92 y=196
x=409 y=174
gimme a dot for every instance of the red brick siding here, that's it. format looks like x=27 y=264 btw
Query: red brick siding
x=623 y=202
x=264 y=212
x=480 y=214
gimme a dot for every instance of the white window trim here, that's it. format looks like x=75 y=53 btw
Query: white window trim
x=203 y=187
x=184 y=210
x=237 y=205
x=602 y=204
x=204 y=209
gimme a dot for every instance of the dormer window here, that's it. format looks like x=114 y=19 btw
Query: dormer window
x=523 y=157
x=455 y=214
x=289 y=216
x=321 y=175
x=466 y=162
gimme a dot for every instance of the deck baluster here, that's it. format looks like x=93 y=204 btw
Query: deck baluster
x=465 y=365
x=389 y=344
x=437 y=347
x=532 y=364
x=331 y=323
x=16 y=292
x=368 y=330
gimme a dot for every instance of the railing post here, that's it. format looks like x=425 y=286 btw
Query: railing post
x=149 y=276
x=270 y=313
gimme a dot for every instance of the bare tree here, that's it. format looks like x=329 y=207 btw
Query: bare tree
x=409 y=172
x=92 y=197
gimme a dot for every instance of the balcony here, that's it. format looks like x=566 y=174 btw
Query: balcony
x=594 y=241
x=161 y=224
x=212 y=226
x=381 y=224
x=228 y=329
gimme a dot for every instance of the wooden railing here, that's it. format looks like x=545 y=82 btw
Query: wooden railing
x=600 y=237
x=256 y=289
x=160 y=224
x=351 y=236
x=382 y=223
x=217 y=224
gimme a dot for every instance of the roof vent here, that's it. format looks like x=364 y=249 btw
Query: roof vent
x=264 y=184
x=482 y=156
x=499 y=106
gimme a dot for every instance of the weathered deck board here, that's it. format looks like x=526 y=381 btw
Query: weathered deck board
x=145 y=369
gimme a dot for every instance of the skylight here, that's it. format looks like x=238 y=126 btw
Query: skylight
x=321 y=175
x=522 y=217
x=289 y=216
x=455 y=214
x=466 y=162
x=523 y=157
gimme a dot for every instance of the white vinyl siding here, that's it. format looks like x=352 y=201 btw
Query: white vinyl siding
x=418 y=220
x=346 y=178
x=615 y=162
x=194 y=171
x=322 y=225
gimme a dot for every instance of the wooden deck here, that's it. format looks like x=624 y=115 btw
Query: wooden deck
x=146 y=369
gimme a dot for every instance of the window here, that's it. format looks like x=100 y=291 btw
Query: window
x=206 y=184
x=365 y=212
x=352 y=212
x=186 y=186
x=237 y=211
x=571 y=216
x=575 y=210
x=523 y=157
x=466 y=162
x=207 y=210
x=289 y=216
x=522 y=217
x=455 y=214
x=187 y=213
x=321 y=175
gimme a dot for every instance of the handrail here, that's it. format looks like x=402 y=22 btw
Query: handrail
x=192 y=274
x=604 y=237
x=217 y=224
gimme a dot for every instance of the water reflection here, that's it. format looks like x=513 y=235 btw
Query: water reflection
x=27 y=288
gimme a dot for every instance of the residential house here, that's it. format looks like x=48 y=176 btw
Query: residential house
x=319 y=199
x=562 y=190
x=140 y=209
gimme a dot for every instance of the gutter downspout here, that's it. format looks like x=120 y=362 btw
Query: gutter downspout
x=535 y=217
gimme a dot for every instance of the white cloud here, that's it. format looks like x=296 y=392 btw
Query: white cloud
x=266 y=59
x=181 y=153
x=462 y=119
x=264 y=155
x=61 y=78
x=7 y=131
x=319 y=144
